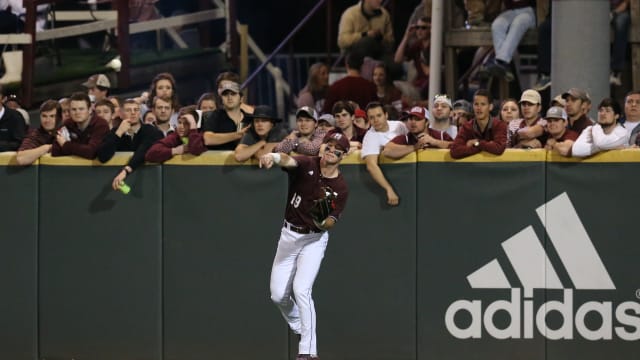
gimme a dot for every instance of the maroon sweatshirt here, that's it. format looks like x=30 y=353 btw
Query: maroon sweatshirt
x=83 y=143
x=161 y=150
x=492 y=140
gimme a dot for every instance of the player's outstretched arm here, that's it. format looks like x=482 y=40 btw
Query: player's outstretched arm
x=281 y=159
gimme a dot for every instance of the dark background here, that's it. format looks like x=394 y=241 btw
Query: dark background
x=271 y=21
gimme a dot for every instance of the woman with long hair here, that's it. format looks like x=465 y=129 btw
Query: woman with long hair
x=163 y=86
x=315 y=92
x=387 y=93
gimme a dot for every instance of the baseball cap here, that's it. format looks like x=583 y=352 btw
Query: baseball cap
x=360 y=113
x=340 y=140
x=97 y=80
x=228 y=85
x=531 y=96
x=418 y=111
x=556 y=112
x=262 y=112
x=442 y=99
x=577 y=94
x=558 y=99
x=328 y=118
x=308 y=111
x=464 y=105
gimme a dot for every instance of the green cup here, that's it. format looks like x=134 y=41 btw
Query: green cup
x=124 y=188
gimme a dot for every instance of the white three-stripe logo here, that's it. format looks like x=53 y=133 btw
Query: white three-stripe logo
x=531 y=264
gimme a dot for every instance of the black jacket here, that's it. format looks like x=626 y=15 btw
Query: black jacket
x=139 y=144
x=12 y=130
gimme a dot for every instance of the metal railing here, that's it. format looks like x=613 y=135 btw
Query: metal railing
x=118 y=20
x=282 y=88
x=263 y=86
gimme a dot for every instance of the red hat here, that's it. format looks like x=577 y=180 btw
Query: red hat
x=418 y=111
x=360 y=113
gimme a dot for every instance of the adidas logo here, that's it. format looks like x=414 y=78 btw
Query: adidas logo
x=534 y=270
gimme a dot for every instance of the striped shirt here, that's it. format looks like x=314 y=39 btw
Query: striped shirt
x=36 y=138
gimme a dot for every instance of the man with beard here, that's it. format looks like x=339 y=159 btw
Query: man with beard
x=38 y=141
x=131 y=135
x=578 y=103
x=303 y=239
x=420 y=136
x=263 y=136
x=441 y=121
x=607 y=134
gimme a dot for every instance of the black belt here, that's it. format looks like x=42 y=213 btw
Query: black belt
x=298 y=229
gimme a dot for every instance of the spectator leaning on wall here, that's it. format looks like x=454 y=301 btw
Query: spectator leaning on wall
x=607 y=134
x=83 y=133
x=482 y=133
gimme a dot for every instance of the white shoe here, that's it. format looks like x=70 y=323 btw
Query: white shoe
x=614 y=79
x=115 y=64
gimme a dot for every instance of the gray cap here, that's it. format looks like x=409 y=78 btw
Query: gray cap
x=229 y=86
x=464 y=105
x=308 y=112
x=556 y=112
x=577 y=94
x=328 y=118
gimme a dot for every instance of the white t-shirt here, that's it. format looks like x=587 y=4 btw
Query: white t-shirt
x=452 y=130
x=374 y=140
x=593 y=140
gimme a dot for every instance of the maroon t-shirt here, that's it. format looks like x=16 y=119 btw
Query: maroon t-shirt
x=306 y=184
x=354 y=88
x=582 y=123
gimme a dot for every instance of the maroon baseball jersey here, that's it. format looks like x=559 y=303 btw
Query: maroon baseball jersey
x=306 y=184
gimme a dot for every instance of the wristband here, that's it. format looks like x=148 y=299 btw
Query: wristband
x=276 y=158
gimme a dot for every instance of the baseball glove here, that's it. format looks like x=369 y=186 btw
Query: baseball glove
x=323 y=206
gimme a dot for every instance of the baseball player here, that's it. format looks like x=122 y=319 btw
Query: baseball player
x=312 y=180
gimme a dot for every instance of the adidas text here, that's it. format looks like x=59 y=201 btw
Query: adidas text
x=521 y=314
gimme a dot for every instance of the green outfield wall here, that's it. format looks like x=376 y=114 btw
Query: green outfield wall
x=527 y=255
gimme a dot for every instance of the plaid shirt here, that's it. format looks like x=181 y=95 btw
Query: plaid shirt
x=36 y=138
x=311 y=148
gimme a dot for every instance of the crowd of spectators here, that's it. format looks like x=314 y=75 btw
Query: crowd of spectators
x=373 y=115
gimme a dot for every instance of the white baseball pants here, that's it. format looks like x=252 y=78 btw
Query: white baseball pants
x=295 y=268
